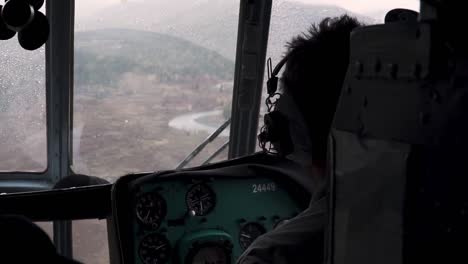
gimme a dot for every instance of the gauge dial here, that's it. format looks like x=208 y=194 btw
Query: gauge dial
x=201 y=199
x=151 y=209
x=154 y=249
x=209 y=254
x=248 y=233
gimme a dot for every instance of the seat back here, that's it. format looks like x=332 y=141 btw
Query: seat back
x=398 y=161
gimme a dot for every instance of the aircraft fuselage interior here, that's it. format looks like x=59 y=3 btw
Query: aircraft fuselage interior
x=143 y=116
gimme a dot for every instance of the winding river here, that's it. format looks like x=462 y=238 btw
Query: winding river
x=191 y=122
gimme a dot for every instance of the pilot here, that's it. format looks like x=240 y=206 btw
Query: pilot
x=311 y=83
x=23 y=242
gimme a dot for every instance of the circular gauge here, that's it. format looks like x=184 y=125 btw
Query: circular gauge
x=209 y=254
x=151 y=209
x=154 y=249
x=200 y=199
x=248 y=233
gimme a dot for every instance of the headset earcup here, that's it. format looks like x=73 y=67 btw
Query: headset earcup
x=277 y=132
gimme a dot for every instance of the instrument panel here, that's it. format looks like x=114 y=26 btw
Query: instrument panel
x=206 y=220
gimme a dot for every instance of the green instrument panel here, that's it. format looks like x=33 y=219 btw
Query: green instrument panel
x=207 y=221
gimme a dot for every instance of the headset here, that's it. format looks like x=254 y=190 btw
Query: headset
x=275 y=135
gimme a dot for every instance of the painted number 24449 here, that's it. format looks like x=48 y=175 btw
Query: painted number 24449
x=264 y=187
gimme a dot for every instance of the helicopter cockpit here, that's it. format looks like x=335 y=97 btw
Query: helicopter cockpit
x=96 y=112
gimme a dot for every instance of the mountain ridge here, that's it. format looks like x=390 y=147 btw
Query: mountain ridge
x=213 y=23
x=103 y=55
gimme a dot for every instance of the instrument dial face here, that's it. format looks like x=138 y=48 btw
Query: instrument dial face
x=248 y=233
x=201 y=199
x=210 y=254
x=154 y=249
x=151 y=209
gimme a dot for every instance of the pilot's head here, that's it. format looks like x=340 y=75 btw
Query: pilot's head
x=313 y=77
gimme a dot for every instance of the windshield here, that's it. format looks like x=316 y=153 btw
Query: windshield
x=23 y=138
x=152 y=80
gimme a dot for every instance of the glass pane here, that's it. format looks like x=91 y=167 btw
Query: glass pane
x=153 y=79
x=48 y=227
x=289 y=19
x=90 y=241
x=23 y=137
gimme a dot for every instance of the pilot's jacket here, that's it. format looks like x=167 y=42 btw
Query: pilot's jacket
x=301 y=240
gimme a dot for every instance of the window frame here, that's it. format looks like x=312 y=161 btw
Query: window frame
x=59 y=96
x=251 y=49
x=59 y=99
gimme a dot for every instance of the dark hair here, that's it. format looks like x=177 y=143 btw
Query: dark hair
x=314 y=74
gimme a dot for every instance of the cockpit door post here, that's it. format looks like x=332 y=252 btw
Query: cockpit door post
x=59 y=96
x=252 y=39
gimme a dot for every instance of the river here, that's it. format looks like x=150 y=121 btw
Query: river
x=191 y=122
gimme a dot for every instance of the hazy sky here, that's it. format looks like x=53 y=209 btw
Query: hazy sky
x=368 y=5
x=361 y=6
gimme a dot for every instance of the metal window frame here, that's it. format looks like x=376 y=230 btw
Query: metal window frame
x=59 y=104
x=252 y=41
x=59 y=82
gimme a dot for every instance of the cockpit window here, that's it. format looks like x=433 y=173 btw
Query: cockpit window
x=152 y=80
x=23 y=137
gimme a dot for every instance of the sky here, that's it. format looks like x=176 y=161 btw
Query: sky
x=359 y=6
x=365 y=6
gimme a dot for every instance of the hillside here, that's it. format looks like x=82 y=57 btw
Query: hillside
x=212 y=23
x=102 y=56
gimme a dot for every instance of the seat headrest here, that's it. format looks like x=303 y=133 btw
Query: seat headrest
x=401 y=15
